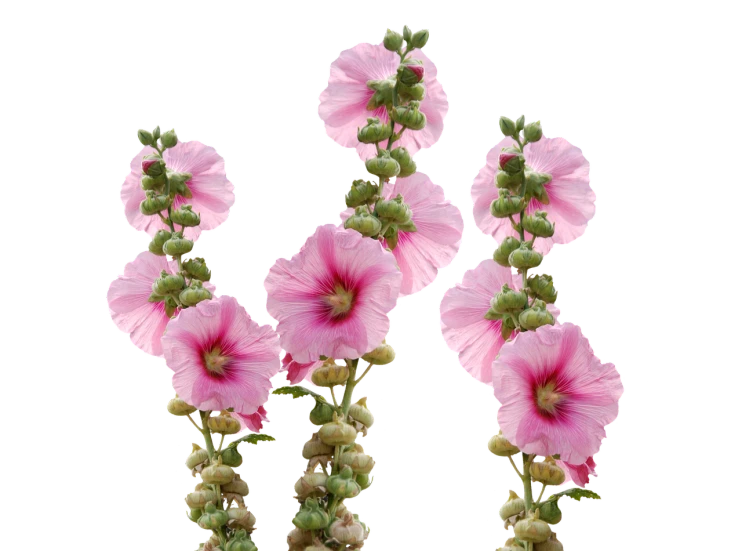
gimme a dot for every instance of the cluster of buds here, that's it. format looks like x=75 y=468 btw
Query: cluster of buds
x=164 y=188
x=531 y=521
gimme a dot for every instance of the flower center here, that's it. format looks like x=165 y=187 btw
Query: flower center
x=547 y=398
x=340 y=302
x=215 y=361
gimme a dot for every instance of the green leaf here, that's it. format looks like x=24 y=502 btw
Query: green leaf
x=251 y=439
x=575 y=493
x=298 y=392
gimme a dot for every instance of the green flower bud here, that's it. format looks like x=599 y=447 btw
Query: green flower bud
x=311 y=516
x=532 y=530
x=507 y=127
x=337 y=433
x=534 y=317
x=177 y=245
x=314 y=447
x=197 y=269
x=507 y=327
x=407 y=33
x=194 y=294
x=407 y=166
x=535 y=185
x=155 y=246
x=383 y=93
x=145 y=137
x=148 y=183
x=416 y=92
x=501 y=446
x=231 y=457
x=383 y=165
x=511 y=160
x=178 y=407
x=391 y=236
x=362 y=193
x=533 y=131
x=217 y=473
x=393 y=210
x=343 y=485
x=409 y=116
x=169 y=139
x=513 y=506
x=171 y=305
x=156 y=133
x=513 y=182
x=361 y=414
x=375 y=131
x=311 y=485
x=381 y=355
x=392 y=41
x=508 y=245
x=520 y=123
x=550 y=512
x=330 y=374
x=153 y=165
x=213 y=518
x=236 y=486
x=547 y=472
x=507 y=205
x=199 y=498
x=363 y=222
x=195 y=514
x=411 y=72
x=542 y=286
x=537 y=224
x=223 y=423
x=168 y=283
x=420 y=39
x=185 y=216
x=153 y=203
x=197 y=456
x=363 y=481
x=178 y=181
x=240 y=542
x=525 y=257
x=321 y=413
x=509 y=300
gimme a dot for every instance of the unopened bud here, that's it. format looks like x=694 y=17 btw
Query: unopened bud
x=525 y=257
x=197 y=456
x=410 y=116
x=178 y=407
x=416 y=92
x=343 y=485
x=169 y=139
x=177 y=245
x=507 y=127
x=315 y=446
x=232 y=457
x=223 y=423
x=407 y=166
x=330 y=374
x=536 y=185
x=520 y=123
x=550 y=512
x=532 y=529
x=321 y=413
x=513 y=506
x=236 y=486
x=508 y=245
x=511 y=161
x=154 y=203
x=155 y=246
x=375 y=131
x=537 y=224
x=199 y=498
x=241 y=542
x=197 y=269
x=393 y=40
x=383 y=165
x=533 y=132
x=547 y=472
x=311 y=516
x=542 y=286
x=507 y=204
x=337 y=433
x=363 y=481
x=185 y=216
x=311 y=485
x=420 y=38
x=217 y=473
x=362 y=193
x=153 y=166
x=411 y=72
x=168 y=283
x=509 y=300
x=394 y=210
x=361 y=414
x=381 y=355
x=213 y=518
x=363 y=222
x=534 y=317
x=501 y=446
x=194 y=294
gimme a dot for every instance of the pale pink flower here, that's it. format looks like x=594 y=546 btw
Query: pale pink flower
x=129 y=305
x=212 y=193
x=556 y=396
x=571 y=200
x=253 y=421
x=343 y=103
x=221 y=358
x=297 y=371
x=579 y=474
x=476 y=339
x=439 y=225
x=332 y=298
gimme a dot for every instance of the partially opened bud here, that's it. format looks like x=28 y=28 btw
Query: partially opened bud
x=311 y=516
x=185 y=216
x=236 y=486
x=217 y=473
x=394 y=210
x=361 y=193
x=197 y=269
x=411 y=72
x=240 y=542
x=177 y=245
x=213 y=518
x=409 y=115
x=155 y=246
x=542 y=286
x=513 y=182
x=511 y=161
x=509 y=300
x=525 y=257
x=311 y=485
x=197 y=456
x=153 y=203
x=537 y=224
x=223 y=423
x=499 y=445
x=361 y=414
x=337 y=433
x=330 y=374
x=534 y=317
x=406 y=165
x=532 y=530
x=363 y=222
x=315 y=447
x=153 y=166
x=383 y=165
x=547 y=472
x=168 y=283
x=381 y=355
x=194 y=294
x=512 y=507
x=178 y=407
x=507 y=204
x=502 y=253
x=374 y=132
x=343 y=485
x=392 y=41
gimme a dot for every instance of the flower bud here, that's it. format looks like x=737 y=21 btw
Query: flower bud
x=231 y=456
x=416 y=92
x=383 y=94
x=240 y=542
x=407 y=33
x=363 y=481
x=420 y=39
x=535 y=185
x=501 y=446
x=217 y=473
x=511 y=161
x=407 y=166
x=168 y=283
x=509 y=300
x=337 y=433
x=155 y=246
x=321 y=413
x=547 y=472
x=383 y=165
x=513 y=506
x=147 y=183
x=394 y=210
x=236 y=486
x=362 y=193
x=315 y=447
x=177 y=245
x=311 y=516
x=153 y=203
x=311 y=485
x=343 y=485
x=391 y=236
x=525 y=257
x=507 y=127
x=171 y=305
x=363 y=222
x=361 y=414
x=169 y=139
x=347 y=530
x=240 y=516
x=145 y=137
x=375 y=131
x=199 y=498
x=532 y=530
x=381 y=355
x=536 y=224
x=330 y=374
x=299 y=539
x=507 y=205
x=153 y=165
x=507 y=327
x=511 y=545
x=533 y=132
x=534 y=317
x=223 y=423
x=513 y=182
x=409 y=116
x=411 y=72
x=195 y=514
x=542 y=286
x=502 y=253
x=178 y=407
x=197 y=456
x=213 y=518
x=185 y=216
x=520 y=123
x=550 y=512
x=392 y=41
x=194 y=294
x=360 y=463
x=317 y=545
x=197 y=269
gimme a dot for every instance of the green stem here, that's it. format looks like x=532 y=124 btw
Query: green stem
x=527 y=490
x=349 y=386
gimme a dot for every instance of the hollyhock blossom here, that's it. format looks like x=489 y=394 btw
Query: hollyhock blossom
x=297 y=371
x=571 y=200
x=579 y=474
x=221 y=358
x=332 y=298
x=476 y=339
x=343 y=103
x=556 y=396
x=253 y=421
x=128 y=301
x=439 y=225
x=212 y=193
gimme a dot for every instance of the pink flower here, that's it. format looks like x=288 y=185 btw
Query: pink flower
x=254 y=421
x=556 y=396
x=571 y=201
x=579 y=474
x=333 y=297
x=476 y=339
x=212 y=192
x=298 y=371
x=129 y=305
x=343 y=103
x=439 y=226
x=221 y=358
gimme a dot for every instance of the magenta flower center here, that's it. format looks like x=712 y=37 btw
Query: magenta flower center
x=340 y=301
x=215 y=361
x=548 y=399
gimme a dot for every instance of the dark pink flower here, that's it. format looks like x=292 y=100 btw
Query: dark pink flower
x=297 y=371
x=579 y=474
x=254 y=421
